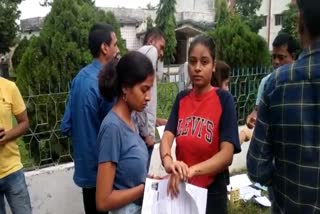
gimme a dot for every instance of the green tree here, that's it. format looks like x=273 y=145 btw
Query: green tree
x=166 y=21
x=19 y=51
x=290 y=21
x=50 y=62
x=9 y=13
x=238 y=45
x=247 y=9
x=222 y=13
x=61 y=49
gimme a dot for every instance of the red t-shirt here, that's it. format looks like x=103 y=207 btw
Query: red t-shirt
x=200 y=123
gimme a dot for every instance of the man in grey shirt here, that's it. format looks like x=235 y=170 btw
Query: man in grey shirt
x=153 y=48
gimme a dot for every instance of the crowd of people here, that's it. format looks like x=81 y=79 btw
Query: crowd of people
x=111 y=118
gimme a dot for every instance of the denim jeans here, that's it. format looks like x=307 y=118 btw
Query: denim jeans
x=14 y=188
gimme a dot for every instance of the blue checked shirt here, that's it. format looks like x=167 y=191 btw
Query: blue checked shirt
x=285 y=148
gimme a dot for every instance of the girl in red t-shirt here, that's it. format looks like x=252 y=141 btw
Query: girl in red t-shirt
x=203 y=122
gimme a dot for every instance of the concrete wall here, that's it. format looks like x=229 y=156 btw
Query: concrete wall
x=277 y=7
x=194 y=5
x=52 y=191
x=195 y=16
x=128 y=33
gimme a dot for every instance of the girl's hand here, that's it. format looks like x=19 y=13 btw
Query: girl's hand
x=178 y=168
x=173 y=186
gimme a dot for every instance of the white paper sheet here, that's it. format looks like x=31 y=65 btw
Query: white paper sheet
x=246 y=193
x=160 y=130
x=239 y=181
x=264 y=201
x=191 y=199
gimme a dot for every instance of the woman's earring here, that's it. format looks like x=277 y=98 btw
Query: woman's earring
x=124 y=97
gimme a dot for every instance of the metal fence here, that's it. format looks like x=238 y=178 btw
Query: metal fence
x=44 y=145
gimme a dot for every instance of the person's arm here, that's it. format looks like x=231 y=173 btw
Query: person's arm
x=218 y=163
x=18 y=130
x=260 y=155
x=66 y=121
x=20 y=113
x=171 y=166
x=141 y=120
x=106 y=197
x=245 y=134
x=252 y=117
x=229 y=141
x=161 y=122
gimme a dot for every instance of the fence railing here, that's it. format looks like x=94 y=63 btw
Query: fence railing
x=43 y=145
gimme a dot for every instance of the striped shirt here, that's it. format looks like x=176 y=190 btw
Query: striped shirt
x=285 y=149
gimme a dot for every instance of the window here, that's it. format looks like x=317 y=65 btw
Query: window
x=278 y=19
x=264 y=21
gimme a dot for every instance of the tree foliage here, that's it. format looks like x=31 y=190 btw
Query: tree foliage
x=61 y=49
x=238 y=45
x=247 y=9
x=166 y=21
x=222 y=12
x=19 y=51
x=9 y=13
x=290 y=23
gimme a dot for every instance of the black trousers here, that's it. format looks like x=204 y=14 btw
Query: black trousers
x=217 y=196
x=89 y=201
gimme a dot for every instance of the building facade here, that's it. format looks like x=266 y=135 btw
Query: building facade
x=192 y=17
x=272 y=10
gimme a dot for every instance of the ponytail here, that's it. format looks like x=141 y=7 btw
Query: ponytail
x=108 y=81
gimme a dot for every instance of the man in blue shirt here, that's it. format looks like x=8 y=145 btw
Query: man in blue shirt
x=285 y=148
x=284 y=51
x=85 y=111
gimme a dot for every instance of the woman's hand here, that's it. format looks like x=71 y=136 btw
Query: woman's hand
x=178 y=168
x=173 y=186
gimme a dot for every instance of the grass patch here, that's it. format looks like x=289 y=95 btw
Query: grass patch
x=247 y=208
x=167 y=93
x=26 y=158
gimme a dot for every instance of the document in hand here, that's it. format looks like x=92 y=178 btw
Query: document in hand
x=191 y=199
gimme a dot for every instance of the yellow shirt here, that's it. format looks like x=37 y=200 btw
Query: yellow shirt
x=11 y=103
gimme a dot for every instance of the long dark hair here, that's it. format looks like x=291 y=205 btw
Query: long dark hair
x=131 y=69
